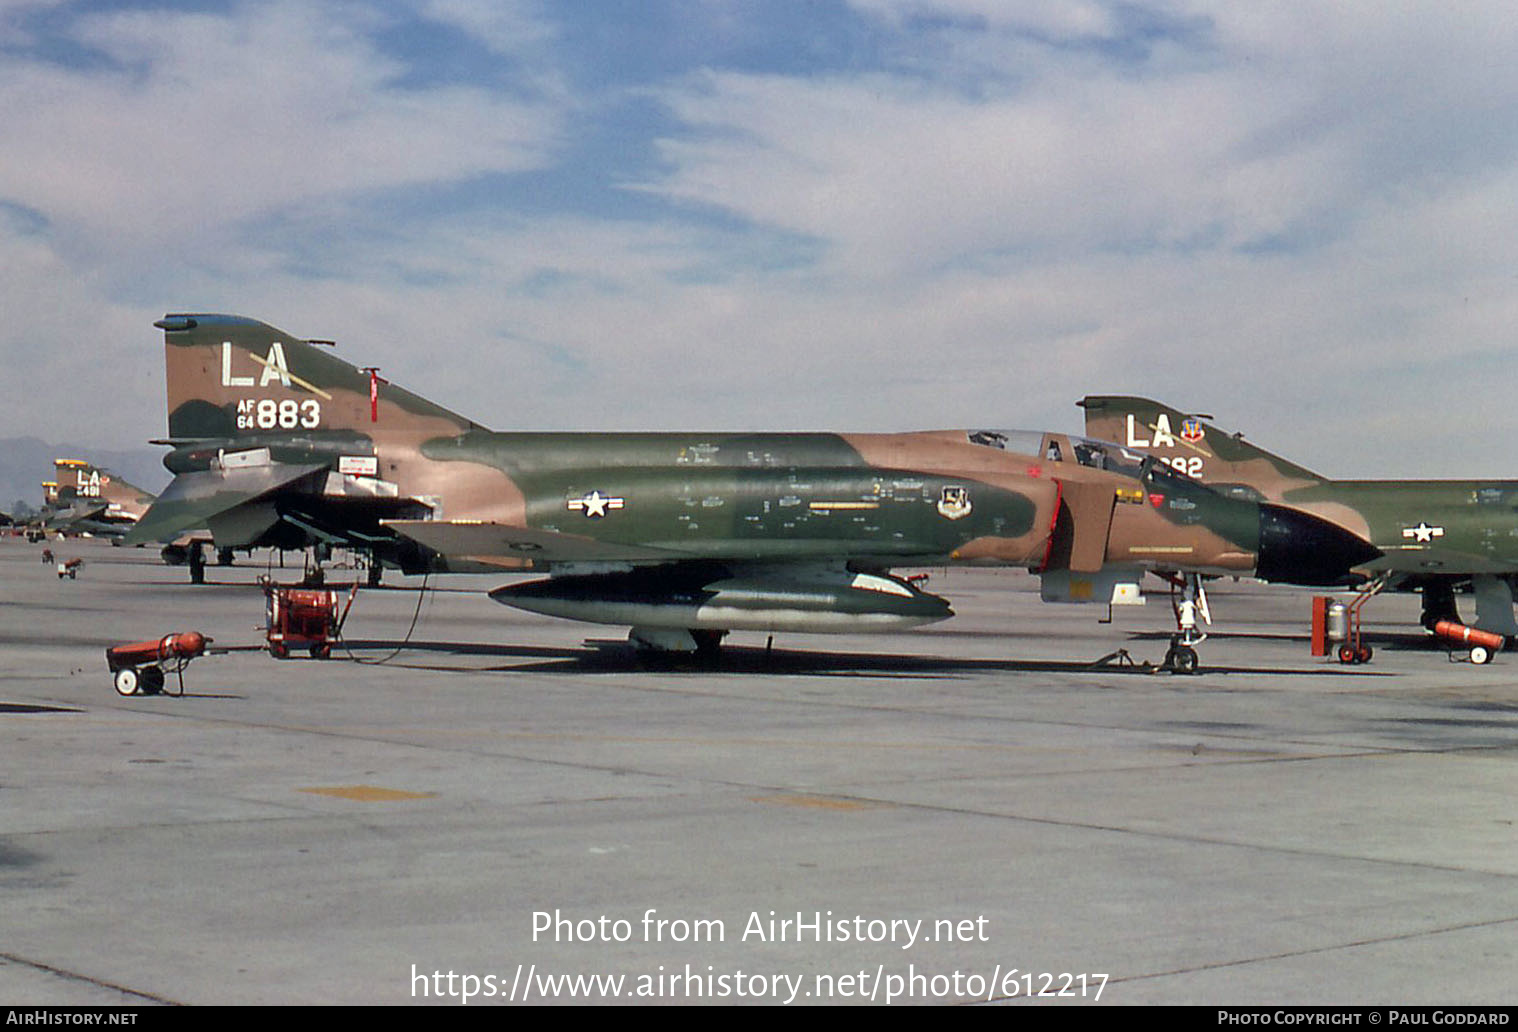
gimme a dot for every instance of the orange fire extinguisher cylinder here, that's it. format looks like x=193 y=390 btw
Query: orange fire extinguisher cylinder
x=171 y=646
x=1459 y=634
x=186 y=646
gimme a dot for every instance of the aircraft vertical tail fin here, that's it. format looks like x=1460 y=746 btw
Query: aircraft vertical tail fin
x=81 y=483
x=234 y=377
x=1193 y=446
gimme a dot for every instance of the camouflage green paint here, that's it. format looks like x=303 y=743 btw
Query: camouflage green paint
x=274 y=437
x=1419 y=526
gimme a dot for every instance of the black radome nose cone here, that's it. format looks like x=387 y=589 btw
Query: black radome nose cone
x=1299 y=548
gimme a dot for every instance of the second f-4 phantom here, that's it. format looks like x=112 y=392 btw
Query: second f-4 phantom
x=85 y=499
x=681 y=536
x=1436 y=537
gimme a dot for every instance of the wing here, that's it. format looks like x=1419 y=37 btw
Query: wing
x=1435 y=560
x=494 y=543
x=499 y=544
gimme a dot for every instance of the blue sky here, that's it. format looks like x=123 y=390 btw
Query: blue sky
x=869 y=215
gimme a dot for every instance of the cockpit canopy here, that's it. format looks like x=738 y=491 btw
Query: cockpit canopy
x=1050 y=447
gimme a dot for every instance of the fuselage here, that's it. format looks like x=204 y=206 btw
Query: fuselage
x=929 y=497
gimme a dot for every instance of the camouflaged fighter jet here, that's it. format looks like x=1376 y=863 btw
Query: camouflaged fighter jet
x=682 y=536
x=85 y=499
x=1436 y=537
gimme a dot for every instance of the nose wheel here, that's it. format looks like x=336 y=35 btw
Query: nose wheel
x=1181 y=657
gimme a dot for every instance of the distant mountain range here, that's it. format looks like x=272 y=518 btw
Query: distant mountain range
x=25 y=462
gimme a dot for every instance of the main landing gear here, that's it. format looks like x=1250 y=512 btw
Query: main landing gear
x=704 y=646
x=1181 y=657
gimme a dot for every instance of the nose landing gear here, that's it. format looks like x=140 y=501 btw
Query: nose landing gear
x=1181 y=657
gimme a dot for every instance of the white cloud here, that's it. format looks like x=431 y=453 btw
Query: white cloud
x=1264 y=136
x=514 y=27
x=1298 y=221
x=901 y=179
x=1293 y=210
x=140 y=172
x=1060 y=19
x=206 y=120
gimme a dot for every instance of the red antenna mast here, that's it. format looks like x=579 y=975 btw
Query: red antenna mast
x=374 y=382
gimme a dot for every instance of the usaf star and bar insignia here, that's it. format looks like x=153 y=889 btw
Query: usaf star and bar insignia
x=594 y=504
x=1423 y=534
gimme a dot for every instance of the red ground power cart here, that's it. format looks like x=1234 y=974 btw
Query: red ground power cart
x=304 y=618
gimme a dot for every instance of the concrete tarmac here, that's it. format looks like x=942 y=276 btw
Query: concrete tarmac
x=970 y=811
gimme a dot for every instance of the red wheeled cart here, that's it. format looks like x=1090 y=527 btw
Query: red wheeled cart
x=139 y=667
x=303 y=618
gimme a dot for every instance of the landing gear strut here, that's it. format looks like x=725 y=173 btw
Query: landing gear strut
x=1439 y=604
x=704 y=645
x=314 y=576
x=1181 y=657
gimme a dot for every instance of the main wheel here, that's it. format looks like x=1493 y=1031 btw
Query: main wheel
x=708 y=643
x=126 y=681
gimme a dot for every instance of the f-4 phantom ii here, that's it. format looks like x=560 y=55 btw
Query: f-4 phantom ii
x=681 y=536
x=85 y=499
x=1436 y=537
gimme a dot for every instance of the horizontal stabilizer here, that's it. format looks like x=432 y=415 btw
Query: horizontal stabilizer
x=67 y=517
x=193 y=499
